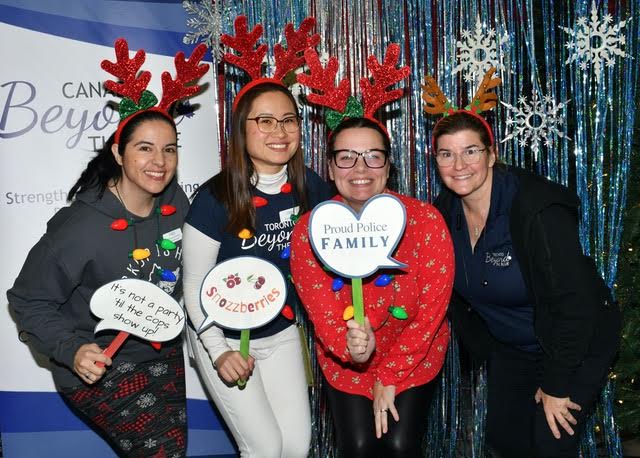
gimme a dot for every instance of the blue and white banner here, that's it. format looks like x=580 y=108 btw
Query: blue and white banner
x=53 y=115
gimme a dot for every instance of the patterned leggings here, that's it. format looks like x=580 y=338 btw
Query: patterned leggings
x=140 y=408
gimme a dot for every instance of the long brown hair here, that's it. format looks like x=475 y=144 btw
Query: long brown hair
x=232 y=186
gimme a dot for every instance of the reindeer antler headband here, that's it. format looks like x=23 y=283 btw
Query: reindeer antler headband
x=342 y=105
x=483 y=100
x=133 y=89
x=250 y=58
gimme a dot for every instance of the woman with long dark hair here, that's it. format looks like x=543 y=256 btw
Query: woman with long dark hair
x=80 y=251
x=265 y=162
x=124 y=221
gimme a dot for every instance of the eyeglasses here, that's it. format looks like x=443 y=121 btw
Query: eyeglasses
x=347 y=158
x=469 y=156
x=269 y=124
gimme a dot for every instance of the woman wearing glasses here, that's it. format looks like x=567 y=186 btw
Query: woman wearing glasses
x=379 y=376
x=525 y=298
x=250 y=208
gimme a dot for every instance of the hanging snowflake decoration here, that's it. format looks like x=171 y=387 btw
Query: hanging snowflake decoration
x=596 y=42
x=478 y=52
x=535 y=122
x=207 y=22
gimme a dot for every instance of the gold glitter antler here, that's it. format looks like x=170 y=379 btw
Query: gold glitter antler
x=484 y=100
x=435 y=102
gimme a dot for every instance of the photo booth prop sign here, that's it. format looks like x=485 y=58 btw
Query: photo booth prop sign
x=242 y=293
x=357 y=245
x=137 y=307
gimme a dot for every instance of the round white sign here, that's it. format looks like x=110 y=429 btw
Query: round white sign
x=242 y=293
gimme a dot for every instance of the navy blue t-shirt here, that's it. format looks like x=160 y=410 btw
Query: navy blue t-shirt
x=489 y=278
x=273 y=232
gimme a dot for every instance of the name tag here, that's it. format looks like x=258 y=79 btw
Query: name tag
x=285 y=215
x=174 y=235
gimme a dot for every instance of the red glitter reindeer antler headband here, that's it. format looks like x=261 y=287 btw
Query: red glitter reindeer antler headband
x=250 y=58
x=483 y=100
x=133 y=88
x=342 y=105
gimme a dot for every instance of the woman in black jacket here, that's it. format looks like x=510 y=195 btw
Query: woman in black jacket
x=526 y=299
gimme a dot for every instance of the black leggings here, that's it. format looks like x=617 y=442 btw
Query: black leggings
x=355 y=425
x=516 y=425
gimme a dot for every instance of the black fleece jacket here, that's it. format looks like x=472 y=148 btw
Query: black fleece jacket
x=572 y=302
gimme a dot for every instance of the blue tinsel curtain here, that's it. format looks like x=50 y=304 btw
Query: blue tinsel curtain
x=570 y=74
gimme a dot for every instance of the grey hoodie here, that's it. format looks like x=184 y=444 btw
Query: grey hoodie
x=78 y=254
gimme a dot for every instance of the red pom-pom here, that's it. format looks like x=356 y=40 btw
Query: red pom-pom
x=286 y=188
x=166 y=210
x=287 y=312
x=119 y=224
x=259 y=201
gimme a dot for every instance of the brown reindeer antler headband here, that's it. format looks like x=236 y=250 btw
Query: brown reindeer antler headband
x=483 y=100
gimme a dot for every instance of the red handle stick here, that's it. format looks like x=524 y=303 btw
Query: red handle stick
x=113 y=347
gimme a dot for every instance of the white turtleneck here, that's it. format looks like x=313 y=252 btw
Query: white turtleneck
x=270 y=184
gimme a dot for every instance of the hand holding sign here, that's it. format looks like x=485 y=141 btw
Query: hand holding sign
x=137 y=307
x=242 y=293
x=355 y=246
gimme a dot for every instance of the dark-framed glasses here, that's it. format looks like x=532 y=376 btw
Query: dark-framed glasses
x=470 y=156
x=347 y=158
x=268 y=124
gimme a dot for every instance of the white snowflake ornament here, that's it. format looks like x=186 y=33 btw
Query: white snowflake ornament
x=535 y=122
x=596 y=42
x=207 y=22
x=479 y=51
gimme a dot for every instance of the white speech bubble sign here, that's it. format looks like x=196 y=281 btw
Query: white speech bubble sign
x=355 y=246
x=139 y=308
x=245 y=292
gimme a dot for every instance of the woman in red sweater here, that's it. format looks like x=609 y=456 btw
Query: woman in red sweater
x=384 y=368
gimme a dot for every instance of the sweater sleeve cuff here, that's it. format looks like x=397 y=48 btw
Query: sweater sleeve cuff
x=555 y=384
x=66 y=352
x=386 y=377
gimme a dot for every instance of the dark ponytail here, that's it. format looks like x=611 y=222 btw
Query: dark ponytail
x=99 y=171
x=103 y=167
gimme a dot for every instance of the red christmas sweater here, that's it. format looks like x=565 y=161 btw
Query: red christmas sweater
x=408 y=352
